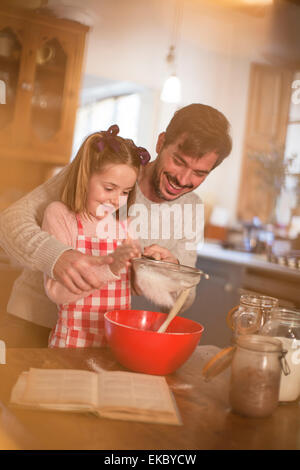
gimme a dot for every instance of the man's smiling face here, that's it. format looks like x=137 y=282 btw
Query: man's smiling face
x=176 y=173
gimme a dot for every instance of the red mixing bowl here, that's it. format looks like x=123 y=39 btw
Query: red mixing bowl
x=133 y=338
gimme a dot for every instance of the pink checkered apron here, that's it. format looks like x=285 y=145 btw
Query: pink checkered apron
x=81 y=324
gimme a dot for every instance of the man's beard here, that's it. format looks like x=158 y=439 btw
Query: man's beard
x=155 y=180
x=155 y=184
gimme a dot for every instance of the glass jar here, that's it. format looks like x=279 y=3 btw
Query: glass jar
x=284 y=324
x=252 y=312
x=255 y=375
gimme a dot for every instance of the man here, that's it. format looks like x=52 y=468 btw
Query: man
x=195 y=142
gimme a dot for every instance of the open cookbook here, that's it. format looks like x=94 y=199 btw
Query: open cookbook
x=116 y=395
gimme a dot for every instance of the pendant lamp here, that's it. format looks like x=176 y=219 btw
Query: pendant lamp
x=171 y=91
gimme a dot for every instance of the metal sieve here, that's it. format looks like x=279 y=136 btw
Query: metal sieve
x=161 y=281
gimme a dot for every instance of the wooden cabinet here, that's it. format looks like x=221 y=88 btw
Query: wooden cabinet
x=214 y=298
x=40 y=65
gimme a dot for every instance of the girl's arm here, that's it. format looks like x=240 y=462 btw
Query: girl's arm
x=61 y=223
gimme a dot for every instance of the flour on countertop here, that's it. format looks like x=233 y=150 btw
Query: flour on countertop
x=94 y=366
x=181 y=386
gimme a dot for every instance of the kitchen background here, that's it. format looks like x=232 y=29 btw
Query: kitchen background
x=71 y=67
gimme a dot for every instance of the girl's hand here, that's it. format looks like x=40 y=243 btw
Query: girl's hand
x=160 y=254
x=135 y=244
x=122 y=256
x=132 y=238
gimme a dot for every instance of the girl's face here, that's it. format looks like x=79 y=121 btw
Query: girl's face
x=109 y=188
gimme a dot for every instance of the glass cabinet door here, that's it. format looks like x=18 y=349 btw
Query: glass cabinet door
x=10 y=65
x=48 y=89
x=40 y=70
x=54 y=91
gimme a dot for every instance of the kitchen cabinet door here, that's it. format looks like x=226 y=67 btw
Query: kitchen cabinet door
x=214 y=298
x=53 y=95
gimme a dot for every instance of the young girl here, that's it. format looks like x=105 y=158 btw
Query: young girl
x=99 y=181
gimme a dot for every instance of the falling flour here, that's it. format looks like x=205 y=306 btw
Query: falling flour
x=159 y=288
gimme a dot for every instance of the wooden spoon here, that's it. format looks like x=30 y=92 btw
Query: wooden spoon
x=175 y=309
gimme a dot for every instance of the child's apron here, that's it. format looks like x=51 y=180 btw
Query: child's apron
x=81 y=324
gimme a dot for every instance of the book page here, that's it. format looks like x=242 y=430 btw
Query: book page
x=19 y=388
x=61 y=386
x=125 y=393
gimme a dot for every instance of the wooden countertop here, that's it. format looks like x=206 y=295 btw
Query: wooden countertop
x=207 y=420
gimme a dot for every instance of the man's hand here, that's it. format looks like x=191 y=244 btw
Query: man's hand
x=161 y=254
x=73 y=270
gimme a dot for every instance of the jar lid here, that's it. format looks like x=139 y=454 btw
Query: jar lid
x=285 y=315
x=261 y=301
x=218 y=363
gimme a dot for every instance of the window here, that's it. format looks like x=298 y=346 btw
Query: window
x=122 y=110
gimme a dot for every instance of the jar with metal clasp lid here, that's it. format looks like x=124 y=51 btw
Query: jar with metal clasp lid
x=252 y=312
x=284 y=325
x=256 y=364
x=255 y=375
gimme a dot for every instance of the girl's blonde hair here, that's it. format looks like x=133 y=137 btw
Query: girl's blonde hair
x=94 y=154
